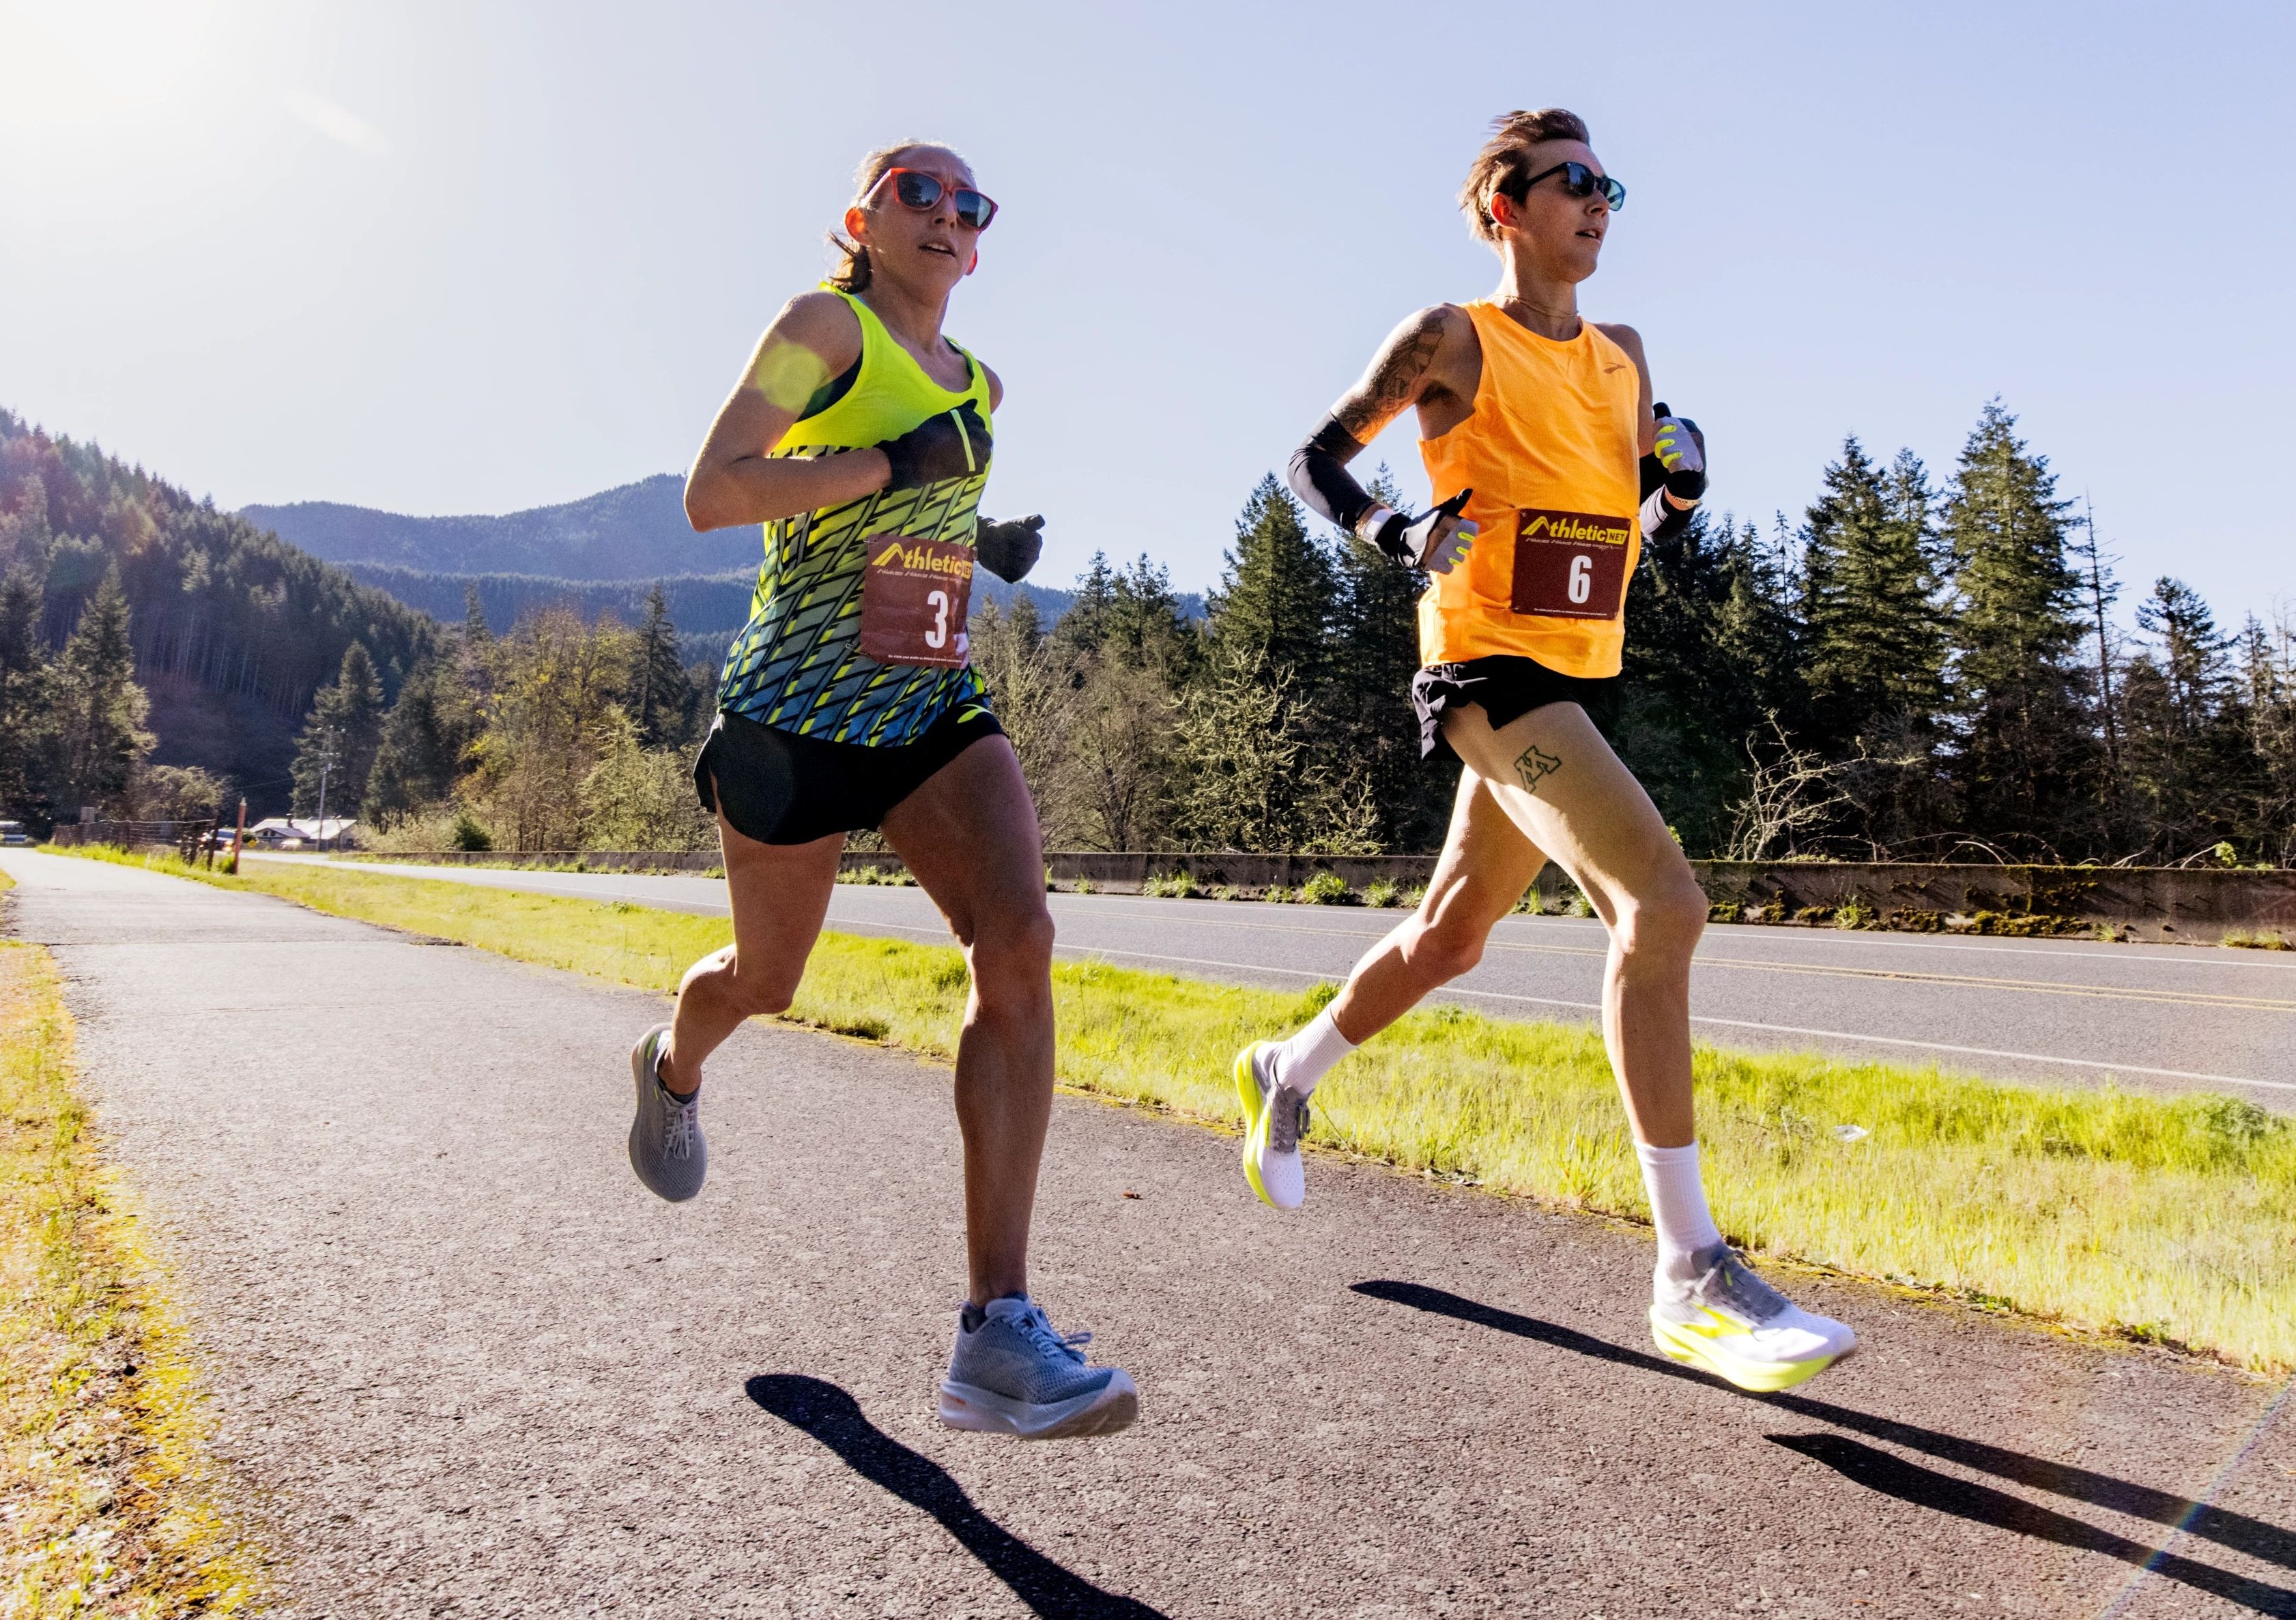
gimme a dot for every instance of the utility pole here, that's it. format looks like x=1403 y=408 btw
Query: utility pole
x=239 y=836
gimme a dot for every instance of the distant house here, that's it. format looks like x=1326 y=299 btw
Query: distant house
x=302 y=832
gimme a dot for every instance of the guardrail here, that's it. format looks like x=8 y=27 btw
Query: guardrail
x=2171 y=904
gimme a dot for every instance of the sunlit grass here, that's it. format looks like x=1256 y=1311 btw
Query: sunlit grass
x=111 y=1502
x=2146 y=1218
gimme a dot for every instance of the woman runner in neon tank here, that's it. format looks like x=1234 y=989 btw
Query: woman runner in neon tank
x=1532 y=420
x=860 y=436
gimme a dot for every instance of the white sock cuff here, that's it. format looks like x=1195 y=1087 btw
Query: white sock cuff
x=1308 y=1056
x=1677 y=1197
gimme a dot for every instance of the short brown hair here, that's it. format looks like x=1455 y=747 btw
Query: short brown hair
x=852 y=273
x=1503 y=163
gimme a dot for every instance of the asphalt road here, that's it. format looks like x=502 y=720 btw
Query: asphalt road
x=2157 y=1017
x=466 y=1366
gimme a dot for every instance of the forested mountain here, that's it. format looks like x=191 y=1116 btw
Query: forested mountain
x=231 y=631
x=702 y=604
x=636 y=532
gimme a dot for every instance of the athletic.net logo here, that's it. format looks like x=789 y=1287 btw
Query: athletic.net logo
x=1570 y=564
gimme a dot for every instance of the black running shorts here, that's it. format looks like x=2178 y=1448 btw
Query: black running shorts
x=1506 y=687
x=779 y=788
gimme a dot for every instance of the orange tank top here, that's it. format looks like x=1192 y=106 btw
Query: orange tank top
x=1550 y=453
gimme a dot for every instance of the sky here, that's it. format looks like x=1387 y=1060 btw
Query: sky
x=455 y=259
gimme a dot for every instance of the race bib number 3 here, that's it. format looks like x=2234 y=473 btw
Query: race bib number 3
x=914 y=600
x=1570 y=564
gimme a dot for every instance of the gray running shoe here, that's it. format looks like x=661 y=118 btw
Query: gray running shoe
x=666 y=1146
x=1012 y=1374
x=1274 y=1122
x=1729 y=1321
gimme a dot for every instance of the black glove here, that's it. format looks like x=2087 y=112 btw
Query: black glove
x=1010 y=549
x=951 y=445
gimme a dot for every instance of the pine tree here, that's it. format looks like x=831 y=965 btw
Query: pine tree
x=2026 y=764
x=1711 y=657
x=1277 y=595
x=1083 y=627
x=1374 y=652
x=2188 y=752
x=100 y=707
x=339 y=741
x=2267 y=688
x=662 y=698
x=424 y=738
x=1874 y=636
x=28 y=719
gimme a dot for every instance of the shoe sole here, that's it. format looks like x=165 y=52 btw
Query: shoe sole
x=1758 y=1378
x=1255 y=1121
x=639 y=1075
x=1113 y=1406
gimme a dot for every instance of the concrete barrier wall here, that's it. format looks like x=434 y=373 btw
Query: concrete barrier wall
x=2198 y=906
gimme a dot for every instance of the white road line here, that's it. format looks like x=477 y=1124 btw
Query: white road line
x=1827 y=1035
x=2098 y=950
x=1540 y=1001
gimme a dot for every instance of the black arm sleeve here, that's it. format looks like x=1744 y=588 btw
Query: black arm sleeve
x=1319 y=475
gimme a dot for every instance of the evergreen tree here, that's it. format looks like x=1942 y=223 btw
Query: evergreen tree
x=1711 y=656
x=27 y=720
x=1374 y=652
x=1277 y=595
x=662 y=698
x=2188 y=751
x=1874 y=635
x=2026 y=760
x=1083 y=627
x=99 y=707
x=2268 y=686
x=339 y=741
x=424 y=738
x=1142 y=623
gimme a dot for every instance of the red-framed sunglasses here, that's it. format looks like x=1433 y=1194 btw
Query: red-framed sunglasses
x=922 y=191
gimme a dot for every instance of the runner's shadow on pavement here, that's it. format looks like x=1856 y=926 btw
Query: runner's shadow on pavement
x=833 y=1417
x=2238 y=1531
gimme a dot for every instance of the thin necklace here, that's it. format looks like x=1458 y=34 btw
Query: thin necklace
x=1551 y=314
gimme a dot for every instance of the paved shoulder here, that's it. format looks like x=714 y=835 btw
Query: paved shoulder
x=478 y=1371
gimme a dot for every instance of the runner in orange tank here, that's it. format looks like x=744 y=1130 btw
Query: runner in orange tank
x=1540 y=439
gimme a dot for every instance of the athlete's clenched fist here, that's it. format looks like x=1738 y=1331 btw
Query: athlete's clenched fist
x=1681 y=450
x=948 y=445
x=1010 y=549
x=1434 y=543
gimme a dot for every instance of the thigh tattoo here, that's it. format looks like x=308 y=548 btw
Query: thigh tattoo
x=1535 y=763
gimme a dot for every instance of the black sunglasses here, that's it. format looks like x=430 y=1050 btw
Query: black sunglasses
x=922 y=191
x=1580 y=180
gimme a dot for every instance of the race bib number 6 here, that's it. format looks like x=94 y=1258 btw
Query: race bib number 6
x=1570 y=564
x=915 y=597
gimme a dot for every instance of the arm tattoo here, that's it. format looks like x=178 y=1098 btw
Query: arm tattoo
x=1395 y=377
x=1536 y=763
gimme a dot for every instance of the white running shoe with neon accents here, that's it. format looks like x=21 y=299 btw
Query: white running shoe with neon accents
x=1274 y=1122
x=1730 y=1323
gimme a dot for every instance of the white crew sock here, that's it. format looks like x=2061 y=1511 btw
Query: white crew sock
x=1677 y=1197
x=1297 y=1063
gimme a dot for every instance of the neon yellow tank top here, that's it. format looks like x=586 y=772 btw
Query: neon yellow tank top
x=798 y=665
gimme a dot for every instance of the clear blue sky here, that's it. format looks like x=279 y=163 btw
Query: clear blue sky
x=445 y=259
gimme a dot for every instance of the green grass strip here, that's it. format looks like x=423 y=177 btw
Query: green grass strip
x=114 y=1504
x=2163 y=1220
